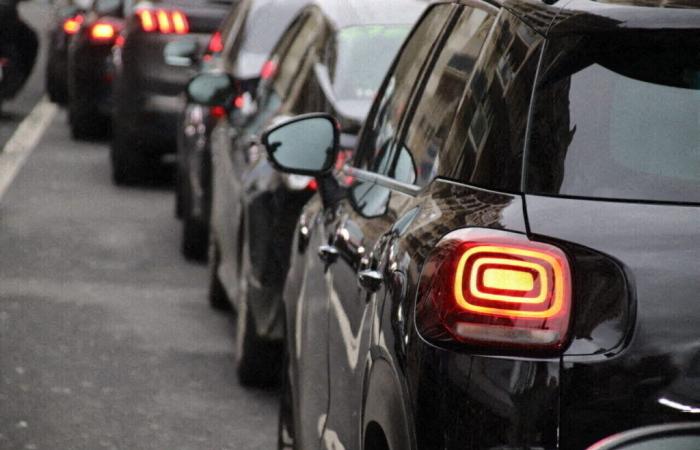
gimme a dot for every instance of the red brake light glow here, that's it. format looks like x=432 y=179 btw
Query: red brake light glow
x=72 y=25
x=217 y=111
x=216 y=45
x=268 y=70
x=163 y=21
x=103 y=32
x=496 y=290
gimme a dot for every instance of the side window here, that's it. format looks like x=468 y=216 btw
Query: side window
x=434 y=114
x=376 y=145
x=485 y=146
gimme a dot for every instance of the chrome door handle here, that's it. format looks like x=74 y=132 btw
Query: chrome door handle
x=370 y=280
x=328 y=254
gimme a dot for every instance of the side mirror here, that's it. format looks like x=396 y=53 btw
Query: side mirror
x=679 y=436
x=211 y=89
x=180 y=53
x=304 y=145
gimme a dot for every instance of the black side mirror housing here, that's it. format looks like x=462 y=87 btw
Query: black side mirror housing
x=305 y=145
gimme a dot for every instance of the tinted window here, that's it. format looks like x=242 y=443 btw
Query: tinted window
x=485 y=146
x=618 y=116
x=376 y=144
x=430 y=125
x=362 y=58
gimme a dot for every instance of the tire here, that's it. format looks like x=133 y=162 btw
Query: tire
x=128 y=164
x=218 y=299
x=86 y=123
x=259 y=361
x=285 y=423
x=195 y=239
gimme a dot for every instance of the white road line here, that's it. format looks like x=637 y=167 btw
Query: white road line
x=23 y=141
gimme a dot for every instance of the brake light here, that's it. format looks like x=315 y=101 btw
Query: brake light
x=313 y=185
x=163 y=21
x=496 y=291
x=268 y=70
x=102 y=32
x=217 y=111
x=72 y=24
x=216 y=44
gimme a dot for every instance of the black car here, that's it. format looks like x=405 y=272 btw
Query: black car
x=147 y=100
x=514 y=265
x=332 y=58
x=241 y=47
x=89 y=67
x=68 y=21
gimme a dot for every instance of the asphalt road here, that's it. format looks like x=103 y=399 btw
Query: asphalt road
x=106 y=338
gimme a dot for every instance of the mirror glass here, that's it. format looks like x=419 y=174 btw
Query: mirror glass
x=306 y=145
x=180 y=52
x=666 y=443
x=210 y=89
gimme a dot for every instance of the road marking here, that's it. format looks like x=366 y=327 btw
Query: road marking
x=23 y=142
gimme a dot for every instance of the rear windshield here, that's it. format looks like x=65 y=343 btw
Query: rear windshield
x=618 y=117
x=362 y=58
x=266 y=23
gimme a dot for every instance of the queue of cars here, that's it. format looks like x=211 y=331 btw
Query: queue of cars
x=450 y=224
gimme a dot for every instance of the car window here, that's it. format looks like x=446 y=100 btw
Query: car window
x=486 y=143
x=617 y=117
x=361 y=58
x=428 y=129
x=375 y=149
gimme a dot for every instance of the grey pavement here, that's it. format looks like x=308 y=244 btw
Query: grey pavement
x=106 y=338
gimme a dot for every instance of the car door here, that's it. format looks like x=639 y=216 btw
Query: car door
x=389 y=177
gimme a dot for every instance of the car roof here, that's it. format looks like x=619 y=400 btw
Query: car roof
x=346 y=13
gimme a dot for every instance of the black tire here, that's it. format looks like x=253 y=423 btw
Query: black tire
x=218 y=299
x=259 y=360
x=85 y=123
x=195 y=239
x=285 y=423
x=128 y=164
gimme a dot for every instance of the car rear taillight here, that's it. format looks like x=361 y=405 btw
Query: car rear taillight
x=216 y=44
x=268 y=70
x=72 y=24
x=103 y=32
x=163 y=21
x=496 y=291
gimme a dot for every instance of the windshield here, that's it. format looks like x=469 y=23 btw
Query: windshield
x=362 y=58
x=619 y=117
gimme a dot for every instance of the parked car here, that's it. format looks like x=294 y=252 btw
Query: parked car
x=147 y=100
x=243 y=44
x=332 y=58
x=89 y=67
x=513 y=266
x=68 y=20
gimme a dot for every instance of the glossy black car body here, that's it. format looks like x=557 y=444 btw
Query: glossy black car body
x=89 y=68
x=246 y=38
x=147 y=91
x=534 y=125
x=68 y=20
x=332 y=58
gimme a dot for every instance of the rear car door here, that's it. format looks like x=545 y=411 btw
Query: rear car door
x=423 y=89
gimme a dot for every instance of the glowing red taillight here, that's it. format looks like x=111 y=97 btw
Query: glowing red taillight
x=497 y=291
x=103 y=32
x=163 y=21
x=216 y=44
x=72 y=24
x=268 y=70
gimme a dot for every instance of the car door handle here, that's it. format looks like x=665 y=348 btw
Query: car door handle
x=370 y=280
x=328 y=254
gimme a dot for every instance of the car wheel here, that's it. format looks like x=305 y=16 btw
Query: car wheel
x=285 y=424
x=86 y=123
x=217 y=294
x=195 y=237
x=128 y=165
x=259 y=360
